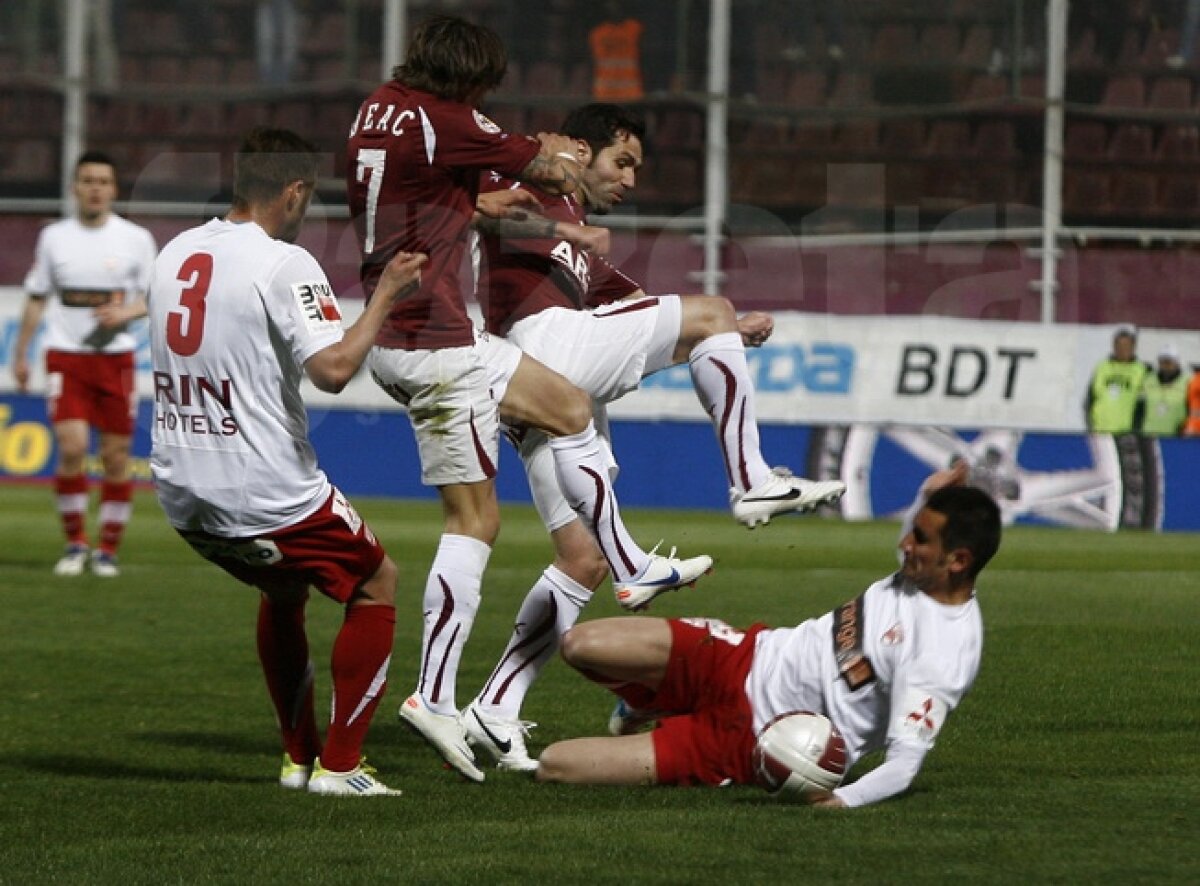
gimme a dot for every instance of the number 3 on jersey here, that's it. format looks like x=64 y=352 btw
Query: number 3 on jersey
x=370 y=163
x=185 y=328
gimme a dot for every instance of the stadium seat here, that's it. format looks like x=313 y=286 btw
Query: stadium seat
x=1086 y=192
x=672 y=178
x=165 y=70
x=1124 y=91
x=294 y=115
x=1134 y=194
x=544 y=78
x=1171 y=94
x=976 y=47
x=29 y=162
x=903 y=138
x=894 y=44
x=1085 y=139
x=857 y=138
x=767 y=132
x=1160 y=45
x=986 y=88
x=678 y=128
x=994 y=140
x=949 y=138
x=852 y=90
x=938 y=45
x=813 y=135
x=1132 y=143
x=806 y=89
x=1179 y=197
x=1180 y=144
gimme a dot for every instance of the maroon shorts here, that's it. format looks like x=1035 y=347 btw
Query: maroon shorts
x=333 y=549
x=711 y=738
x=97 y=388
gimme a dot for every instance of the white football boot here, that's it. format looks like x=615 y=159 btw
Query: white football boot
x=358 y=782
x=444 y=732
x=782 y=493
x=105 y=565
x=503 y=739
x=661 y=574
x=293 y=776
x=73 y=561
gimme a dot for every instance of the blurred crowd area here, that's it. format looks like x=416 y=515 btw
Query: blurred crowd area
x=842 y=117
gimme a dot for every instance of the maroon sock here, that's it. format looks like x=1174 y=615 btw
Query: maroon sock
x=361 y=654
x=283 y=651
x=116 y=505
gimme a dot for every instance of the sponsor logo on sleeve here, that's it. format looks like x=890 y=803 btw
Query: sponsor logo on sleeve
x=318 y=305
x=922 y=715
x=485 y=124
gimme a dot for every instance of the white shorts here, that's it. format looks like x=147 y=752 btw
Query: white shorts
x=607 y=351
x=452 y=396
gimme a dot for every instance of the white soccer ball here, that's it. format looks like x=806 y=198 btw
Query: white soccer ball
x=797 y=753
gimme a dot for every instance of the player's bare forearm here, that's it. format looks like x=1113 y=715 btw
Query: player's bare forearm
x=332 y=368
x=114 y=316
x=555 y=169
x=533 y=227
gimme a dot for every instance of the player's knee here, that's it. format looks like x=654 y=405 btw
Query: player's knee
x=709 y=315
x=578 y=645
x=587 y=568
x=551 y=765
x=381 y=587
x=574 y=412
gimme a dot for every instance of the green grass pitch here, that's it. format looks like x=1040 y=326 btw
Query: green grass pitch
x=137 y=744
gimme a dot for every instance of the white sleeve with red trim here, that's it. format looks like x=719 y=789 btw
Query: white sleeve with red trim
x=894 y=775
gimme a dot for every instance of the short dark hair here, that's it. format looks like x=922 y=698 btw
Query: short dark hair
x=452 y=58
x=600 y=123
x=95 y=157
x=972 y=522
x=268 y=161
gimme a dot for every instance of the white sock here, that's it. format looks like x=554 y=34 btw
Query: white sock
x=552 y=605
x=583 y=476
x=722 y=382
x=450 y=603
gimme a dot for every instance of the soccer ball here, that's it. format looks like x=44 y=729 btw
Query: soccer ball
x=797 y=753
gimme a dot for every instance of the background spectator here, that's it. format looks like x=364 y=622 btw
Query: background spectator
x=1163 y=410
x=1112 y=396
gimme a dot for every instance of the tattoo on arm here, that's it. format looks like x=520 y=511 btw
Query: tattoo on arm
x=554 y=174
x=533 y=228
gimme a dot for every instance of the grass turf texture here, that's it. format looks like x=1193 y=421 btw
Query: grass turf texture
x=137 y=744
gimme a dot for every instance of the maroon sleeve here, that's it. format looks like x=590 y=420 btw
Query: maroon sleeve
x=463 y=137
x=608 y=284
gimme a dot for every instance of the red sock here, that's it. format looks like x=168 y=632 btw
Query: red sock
x=116 y=504
x=361 y=654
x=71 y=495
x=283 y=651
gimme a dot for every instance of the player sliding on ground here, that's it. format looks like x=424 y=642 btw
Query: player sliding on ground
x=886 y=668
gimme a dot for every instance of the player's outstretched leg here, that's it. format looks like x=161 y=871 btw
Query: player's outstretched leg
x=756 y=492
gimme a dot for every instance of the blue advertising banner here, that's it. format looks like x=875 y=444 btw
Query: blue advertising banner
x=1097 y=482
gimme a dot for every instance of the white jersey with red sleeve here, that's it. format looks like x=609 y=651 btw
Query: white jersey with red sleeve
x=78 y=268
x=234 y=315
x=886 y=668
x=413 y=165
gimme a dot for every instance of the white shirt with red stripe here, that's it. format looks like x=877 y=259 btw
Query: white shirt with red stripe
x=886 y=669
x=78 y=268
x=234 y=315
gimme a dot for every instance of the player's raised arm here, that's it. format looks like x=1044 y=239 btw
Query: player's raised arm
x=555 y=168
x=332 y=368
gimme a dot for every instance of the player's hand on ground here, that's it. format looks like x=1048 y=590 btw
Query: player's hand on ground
x=402 y=275
x=589 y=238
x=755 y=328
x=515 y=203
x=823 y=799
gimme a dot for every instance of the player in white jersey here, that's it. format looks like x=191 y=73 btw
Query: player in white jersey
x=237 y=315
x=886 y=668
x=87 y=282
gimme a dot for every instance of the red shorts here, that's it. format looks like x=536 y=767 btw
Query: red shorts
x=97 y=388
x=333 y=549
x=711 y=739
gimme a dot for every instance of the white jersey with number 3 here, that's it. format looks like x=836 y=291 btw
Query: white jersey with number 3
x=886 y=667
x=234 y=315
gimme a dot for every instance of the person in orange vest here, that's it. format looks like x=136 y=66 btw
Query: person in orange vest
x=616 y=56
x=1191 y=428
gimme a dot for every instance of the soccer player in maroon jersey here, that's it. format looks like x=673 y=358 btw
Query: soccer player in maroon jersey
x=578 y=314
x=417 y=147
